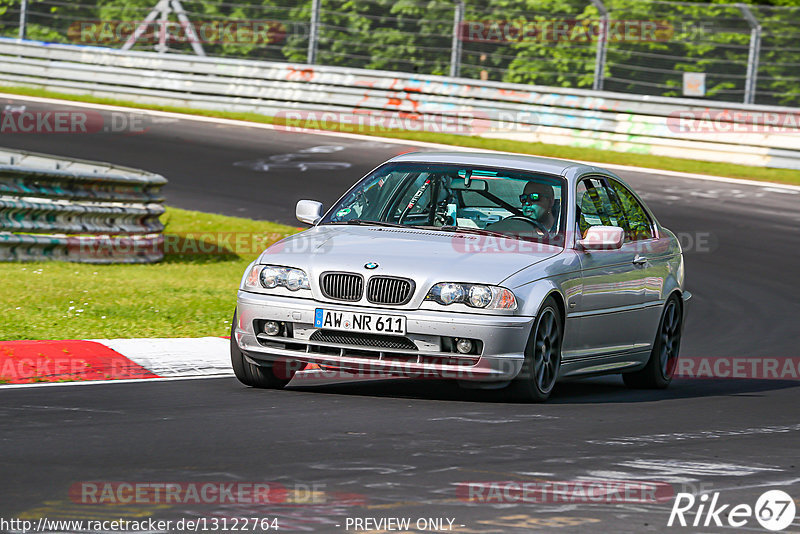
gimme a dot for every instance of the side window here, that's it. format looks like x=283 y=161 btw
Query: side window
x=595 y=205
x=636 y=223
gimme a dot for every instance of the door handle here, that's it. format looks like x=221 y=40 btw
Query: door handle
x=639 y=260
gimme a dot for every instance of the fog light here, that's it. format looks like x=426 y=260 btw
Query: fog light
x=272 y=328
x=464 y=346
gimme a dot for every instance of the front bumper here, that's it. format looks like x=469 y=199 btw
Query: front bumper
x=503 y=341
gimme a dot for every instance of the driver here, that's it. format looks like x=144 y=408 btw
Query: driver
x=537 y=201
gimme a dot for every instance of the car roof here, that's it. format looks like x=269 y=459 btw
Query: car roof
x=496 y=159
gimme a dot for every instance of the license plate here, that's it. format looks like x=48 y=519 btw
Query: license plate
x=372 y=323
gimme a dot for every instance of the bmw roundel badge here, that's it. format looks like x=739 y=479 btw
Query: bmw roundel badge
x=371 y=265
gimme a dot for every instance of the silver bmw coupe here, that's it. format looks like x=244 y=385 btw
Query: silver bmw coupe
x=495 y=270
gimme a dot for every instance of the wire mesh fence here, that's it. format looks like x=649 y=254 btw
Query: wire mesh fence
x=741 y=53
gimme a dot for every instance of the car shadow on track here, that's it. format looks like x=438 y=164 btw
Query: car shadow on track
x=608 y=389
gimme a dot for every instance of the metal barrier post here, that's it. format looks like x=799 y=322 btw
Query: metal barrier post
x=161 y=6
x=752 y=55
x=313 y=32
x=455 y=48
x=23 y=18
x=161 y=11
x=602 y=42
x=194 y=39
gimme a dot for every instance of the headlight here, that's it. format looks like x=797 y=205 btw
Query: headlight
x=295 y=279
x=450 y=293
x=473 y=295
x=272 y=276
x=480 y=296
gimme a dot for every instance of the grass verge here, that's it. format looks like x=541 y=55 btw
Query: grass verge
x=785 y=176
x=190 y=294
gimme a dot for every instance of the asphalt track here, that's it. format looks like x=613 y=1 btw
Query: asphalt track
x=398 y=448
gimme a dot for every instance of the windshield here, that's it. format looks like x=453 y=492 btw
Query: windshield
x=513 y=203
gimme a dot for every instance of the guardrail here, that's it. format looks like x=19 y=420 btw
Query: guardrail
x=696 y=129
x=90 y=212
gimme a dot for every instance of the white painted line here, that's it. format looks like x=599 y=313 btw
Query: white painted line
x=263 y=126
x=784 y=191
x=101 y=382
x=702 y=434
x=780 y=484
x=174 y=357
x=684 y=467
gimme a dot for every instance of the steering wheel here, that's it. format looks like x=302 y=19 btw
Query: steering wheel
x=536 y=224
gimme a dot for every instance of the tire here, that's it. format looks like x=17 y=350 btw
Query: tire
x=275 y=376
x=539 y=373
x=660 y=368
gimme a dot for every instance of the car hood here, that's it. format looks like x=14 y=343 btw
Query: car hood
x=425 y=256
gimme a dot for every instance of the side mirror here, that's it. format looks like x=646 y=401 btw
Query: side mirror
x=308 y=211
x=602 y=238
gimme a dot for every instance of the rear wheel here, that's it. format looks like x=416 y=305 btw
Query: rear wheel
x=660 y=368
x=542 y=356
x=275 y=376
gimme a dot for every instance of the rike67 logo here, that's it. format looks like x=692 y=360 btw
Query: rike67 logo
x=774 y=510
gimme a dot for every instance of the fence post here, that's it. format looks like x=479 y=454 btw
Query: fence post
x=313 y=32
x=752 y=55
x=194 y=39
x=602 y=41
x=23 y=19
x=455 y=47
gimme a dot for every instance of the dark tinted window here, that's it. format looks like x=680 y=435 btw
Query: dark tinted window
x=635 y=222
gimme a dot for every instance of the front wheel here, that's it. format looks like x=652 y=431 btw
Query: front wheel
x=275 y=376
x=542 y=356
x=660 y=368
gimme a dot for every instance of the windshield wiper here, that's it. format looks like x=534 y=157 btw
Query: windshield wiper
x=470 y=230
x=364 y=222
